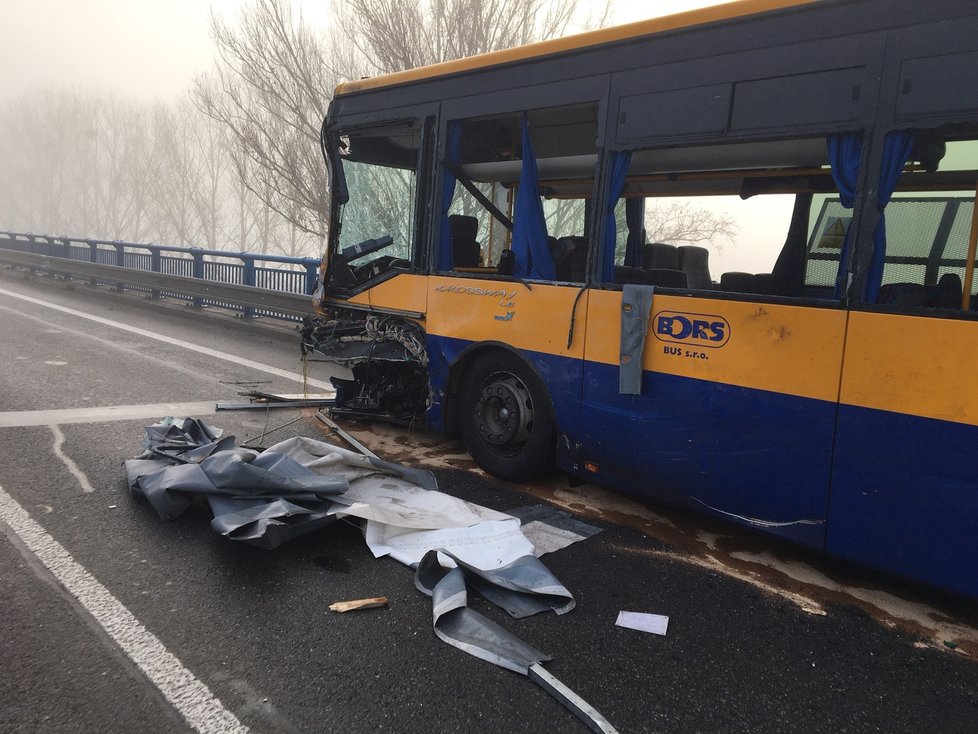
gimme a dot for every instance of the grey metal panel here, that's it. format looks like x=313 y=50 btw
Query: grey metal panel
x=678 y=112
x=801 y=99
x=938 y=84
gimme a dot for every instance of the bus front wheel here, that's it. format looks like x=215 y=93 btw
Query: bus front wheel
x=506 y=420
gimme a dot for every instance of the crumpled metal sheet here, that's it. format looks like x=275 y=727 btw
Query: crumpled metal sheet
x=522 y=588
x=266 y=524
x=550 y=529
x=466 y=629
x=264 y=499
x=324 y=458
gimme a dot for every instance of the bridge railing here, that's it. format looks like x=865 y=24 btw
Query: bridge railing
x=116 y=263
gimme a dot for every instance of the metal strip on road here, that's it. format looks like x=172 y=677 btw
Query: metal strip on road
x=192 y=699
x=259 y=366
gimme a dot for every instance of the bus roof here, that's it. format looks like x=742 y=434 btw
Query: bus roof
x=724 y=11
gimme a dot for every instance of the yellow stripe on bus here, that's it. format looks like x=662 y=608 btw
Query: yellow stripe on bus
x=406 y=292
x=786 y=349
x=724 y=11
x=535 y=318
x=912 y=365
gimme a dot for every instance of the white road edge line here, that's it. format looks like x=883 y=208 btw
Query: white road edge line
x=194 y=700
x=77 y=473
x=102 y=414
x=267 y=368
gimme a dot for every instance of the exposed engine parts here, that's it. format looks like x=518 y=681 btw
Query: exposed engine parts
x=388 y=359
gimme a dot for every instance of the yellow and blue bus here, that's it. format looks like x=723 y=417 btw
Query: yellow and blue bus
x=518 y=251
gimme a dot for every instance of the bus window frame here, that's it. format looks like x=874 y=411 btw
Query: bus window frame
x=567 y=93
x=720 y=139
x=424 y=120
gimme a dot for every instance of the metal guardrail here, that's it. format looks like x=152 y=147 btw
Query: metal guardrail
x=235 y=280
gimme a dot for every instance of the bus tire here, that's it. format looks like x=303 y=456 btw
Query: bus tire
x=505 y=417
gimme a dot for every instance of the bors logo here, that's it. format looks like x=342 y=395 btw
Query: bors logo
x=698 y=329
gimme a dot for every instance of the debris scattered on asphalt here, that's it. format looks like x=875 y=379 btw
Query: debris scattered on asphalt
x=298 y=485
x=653 y=623
x=354 y=604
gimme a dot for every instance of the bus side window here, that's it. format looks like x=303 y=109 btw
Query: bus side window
x=486 y=159
x=929 y=223
x=741 y=218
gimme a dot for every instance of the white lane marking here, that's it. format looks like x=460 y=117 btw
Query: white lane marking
x=261 y=367
x=106 y=414
x=59 y=440
x=194 y=700
x=135 y=353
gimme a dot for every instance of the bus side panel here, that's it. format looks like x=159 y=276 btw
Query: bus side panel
x=403 y=292
x=743 y=430
x=466 y=312
x=905 y=487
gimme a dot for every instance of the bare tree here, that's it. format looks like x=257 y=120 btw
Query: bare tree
x=392 y=35
x=270 y=94
x=679 y=222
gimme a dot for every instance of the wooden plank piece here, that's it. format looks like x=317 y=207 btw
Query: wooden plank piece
x=349 y=606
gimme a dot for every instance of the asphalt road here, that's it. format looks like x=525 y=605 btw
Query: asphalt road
x=253 y=627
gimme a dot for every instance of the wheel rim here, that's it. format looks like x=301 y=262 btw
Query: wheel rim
x=504 y=412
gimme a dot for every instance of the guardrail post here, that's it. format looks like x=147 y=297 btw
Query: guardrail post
x=198 y=272
x=156 y=266
x=249 y=278
x=312 y=277
x=62 y=249
x=32 y=248
x=92 y=257
x=120 y=261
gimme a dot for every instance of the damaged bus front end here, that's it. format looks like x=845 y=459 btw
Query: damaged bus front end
x=372 y=251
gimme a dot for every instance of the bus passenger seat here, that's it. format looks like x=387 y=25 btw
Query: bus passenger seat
x=761 y=284
x=660 y=255
x=737 y=282
x=666 y=278
x=625 y=275
x=947 y=292
x=465 y=248
x=695 y=262
x=570 y=259
x=903 y=294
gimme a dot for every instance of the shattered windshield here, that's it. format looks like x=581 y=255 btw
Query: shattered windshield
x=376 y=224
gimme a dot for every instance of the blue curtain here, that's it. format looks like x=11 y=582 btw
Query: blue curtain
x=619 y=161
x=897 y=148
x=635 y=218
x=845 y=155
x=532 y=255
x=453 y=151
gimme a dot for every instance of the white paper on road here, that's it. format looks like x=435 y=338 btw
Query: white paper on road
x=394 y=501
x=654 y=623
x=487 y=545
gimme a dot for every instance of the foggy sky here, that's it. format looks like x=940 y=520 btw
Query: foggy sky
x=150 y=49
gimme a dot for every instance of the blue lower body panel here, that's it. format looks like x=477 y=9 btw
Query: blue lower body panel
x=905 y=497
x=758 y=458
